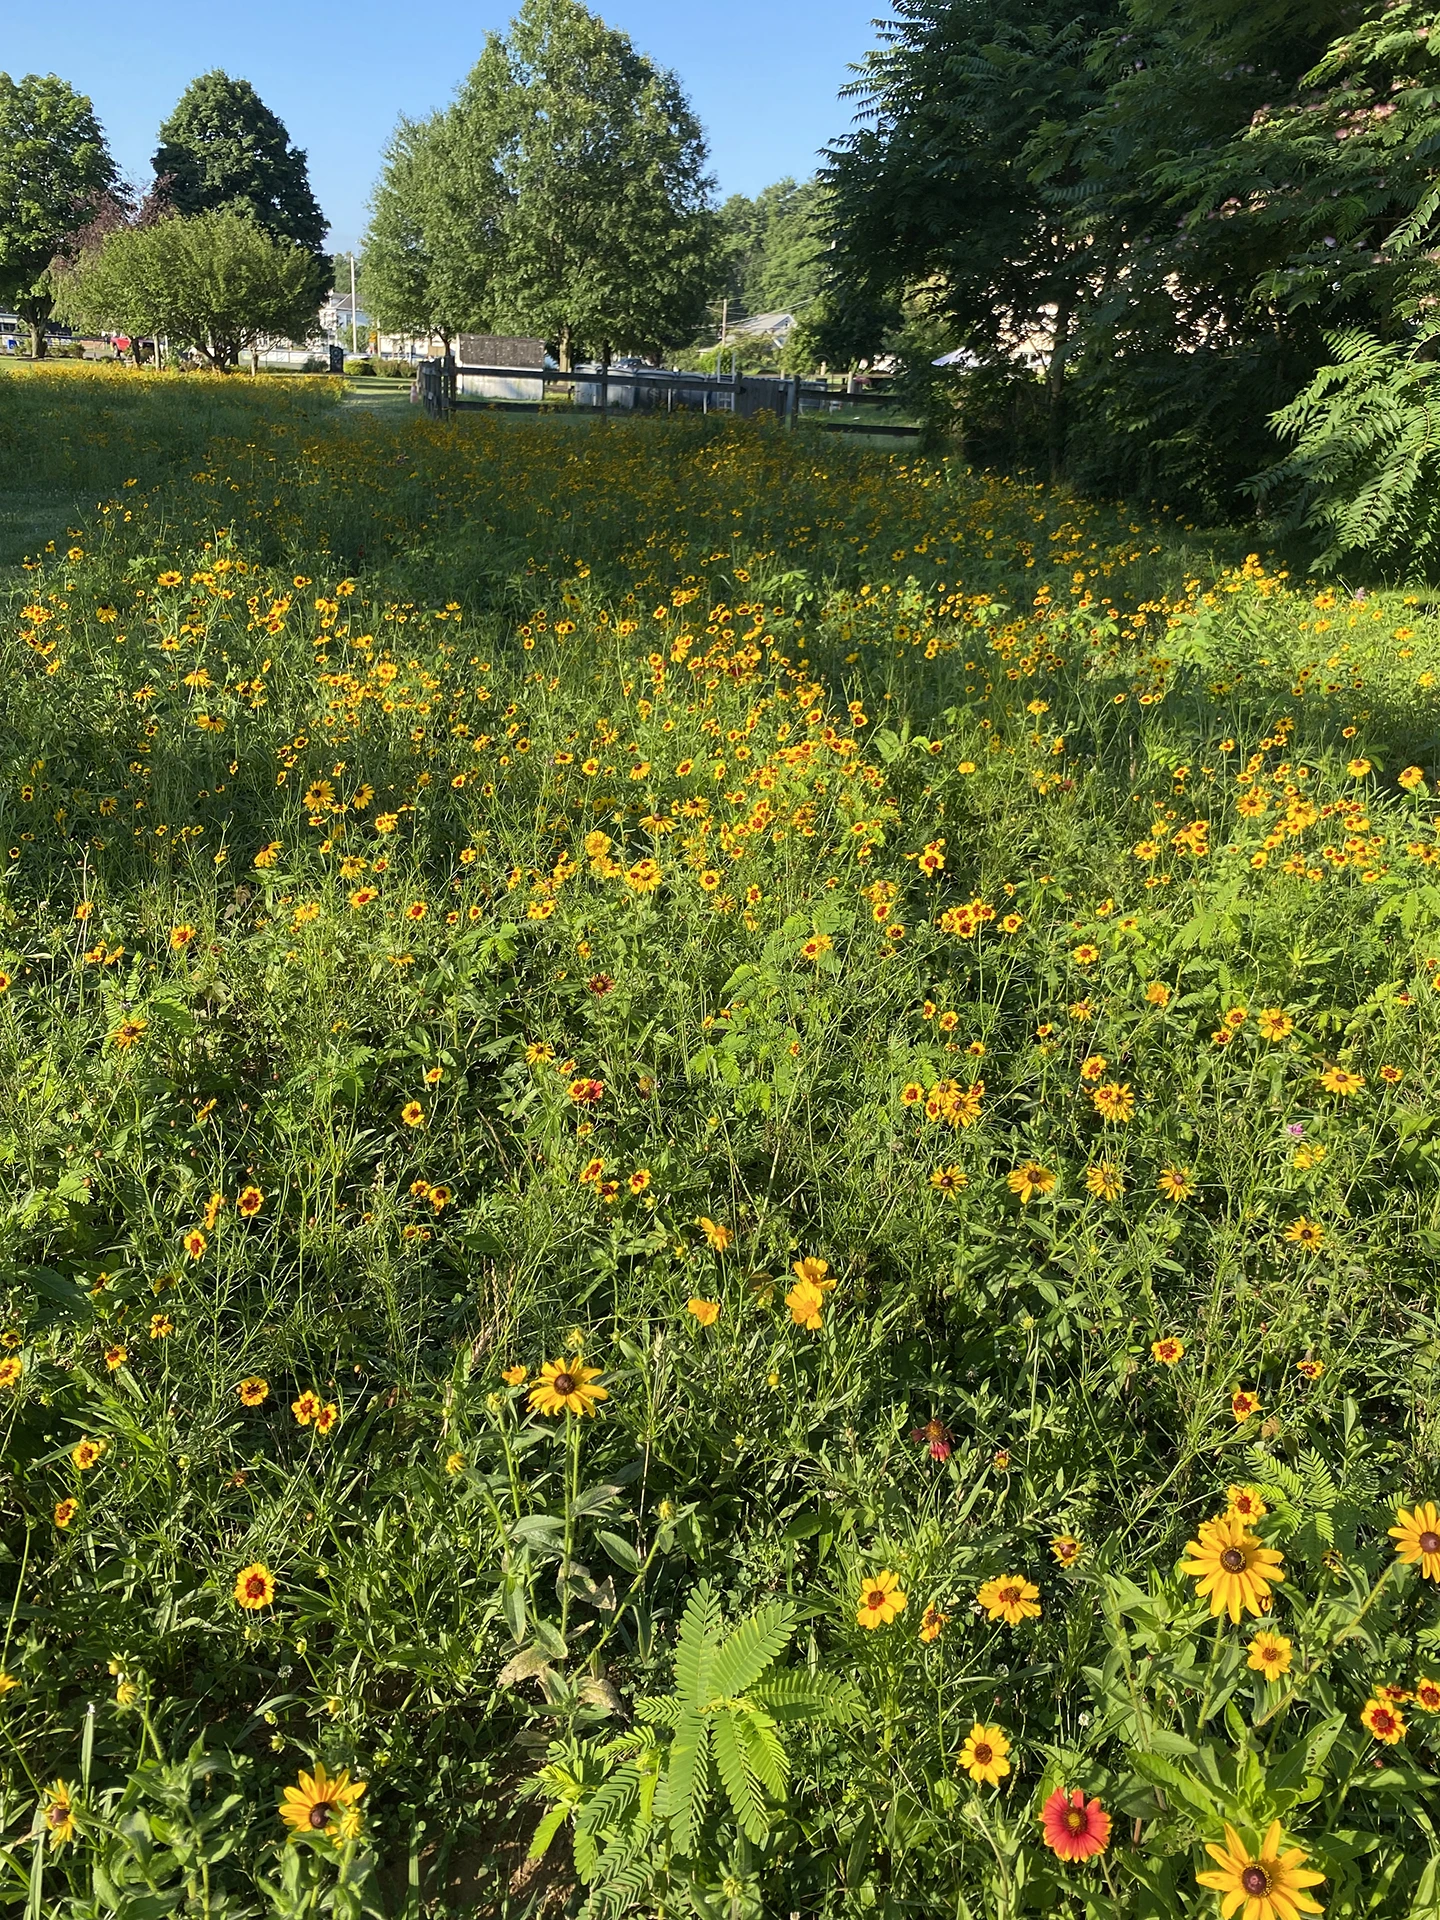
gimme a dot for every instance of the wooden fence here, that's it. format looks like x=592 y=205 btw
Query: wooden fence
x=443 y=392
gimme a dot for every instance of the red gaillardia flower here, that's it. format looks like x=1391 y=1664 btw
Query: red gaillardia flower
x=1075 y=1829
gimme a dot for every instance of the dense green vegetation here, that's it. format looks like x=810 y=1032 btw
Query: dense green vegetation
x=919 y=988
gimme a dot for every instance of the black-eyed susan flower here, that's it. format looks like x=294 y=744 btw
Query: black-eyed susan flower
x=882 y=1599
x=1104 y=1180
x=1270 y=1654
x=1009 y=1597
x=1175 y=1184
x=1113 y=1101
x=1030 y=1181
x=1341 y=1081
x=567 y=1386
x=1232 y=1567
x=985 y=1755
x=1306 y=1234
x=58 y=1813
x=318 y=1804
x=128 y=1032
x=1416 y=1534
x=1067 y=1550
x=254 y=1587
x=950 y=1181
x=1260 y=1883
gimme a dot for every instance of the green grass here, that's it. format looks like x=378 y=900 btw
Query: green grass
x=542 y=870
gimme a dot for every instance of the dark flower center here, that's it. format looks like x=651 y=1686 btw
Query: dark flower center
x=1430 y=1543
x=984 y=1754
x=1255 y=1880
x=320 y=1813
x=1233 y=1560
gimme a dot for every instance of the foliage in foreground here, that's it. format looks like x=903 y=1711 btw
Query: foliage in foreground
x=697 y=1119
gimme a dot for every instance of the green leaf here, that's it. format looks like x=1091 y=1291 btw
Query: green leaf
x=700 y=1627
x=741 y=1787
x=688 y=1778
x=749 y=1649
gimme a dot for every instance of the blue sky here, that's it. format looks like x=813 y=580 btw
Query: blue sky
x=764 y=78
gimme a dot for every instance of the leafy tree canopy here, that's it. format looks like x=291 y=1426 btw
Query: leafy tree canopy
x=223 y=147
x=55 y=170
x=216 y=282
x=775 y=248
x=563 y=194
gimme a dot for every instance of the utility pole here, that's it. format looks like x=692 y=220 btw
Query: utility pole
x=352 y=304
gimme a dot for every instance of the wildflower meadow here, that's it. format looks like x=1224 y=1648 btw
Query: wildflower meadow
x=719 y=1180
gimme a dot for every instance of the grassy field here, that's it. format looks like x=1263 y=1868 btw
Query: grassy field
x=718 y=1157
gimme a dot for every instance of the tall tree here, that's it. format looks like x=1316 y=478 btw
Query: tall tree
x=952 y=186
x=608 y=236
x=55 y=173
x=436 y=228
x=215 y=281
x=222 y=147
x=775 y=246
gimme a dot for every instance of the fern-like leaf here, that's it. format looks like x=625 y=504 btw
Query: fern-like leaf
x=807 y=1696
x=688 y=1778
x=700 y=1628
x=748 y=1650
x=764 y=1753
x=742 y=1789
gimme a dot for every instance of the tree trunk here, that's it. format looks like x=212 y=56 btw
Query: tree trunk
x=1056 y=394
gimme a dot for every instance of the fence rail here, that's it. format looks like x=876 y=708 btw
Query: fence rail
x=446 y=386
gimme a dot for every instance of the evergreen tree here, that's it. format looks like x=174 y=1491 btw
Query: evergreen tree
x=55 y=174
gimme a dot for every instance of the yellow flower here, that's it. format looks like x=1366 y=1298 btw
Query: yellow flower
x=254 y=1587
x=1113 y=1101
x=1274 y=1023
x=1030 y=1181
x=318 y=1804
x=933 y=1623
x=1167 y=1351
x=1416 y=1534
x=881 y=1600
x=254 y=1391
x=707 y=1312
x=1270 y=1655
x=59 y=1813
x=10 y=1371
x=1010 y=1597
x=413 y=1114
x=1066 y=1549
x=454 y=1463
x=1230 y=1565
x=1245 y=1503
x=719 y=1237
x=567 y=1386
x=1308 y=1234
x=87 y=1453
x=1264 y=1885
x=1175 y=1183
x=984 y=1755
x=1383 y=1719
x=1340 y=1080
x=1243 y=1404
x=806 y=1302
x=1104 y=1181
x=515 y=1376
